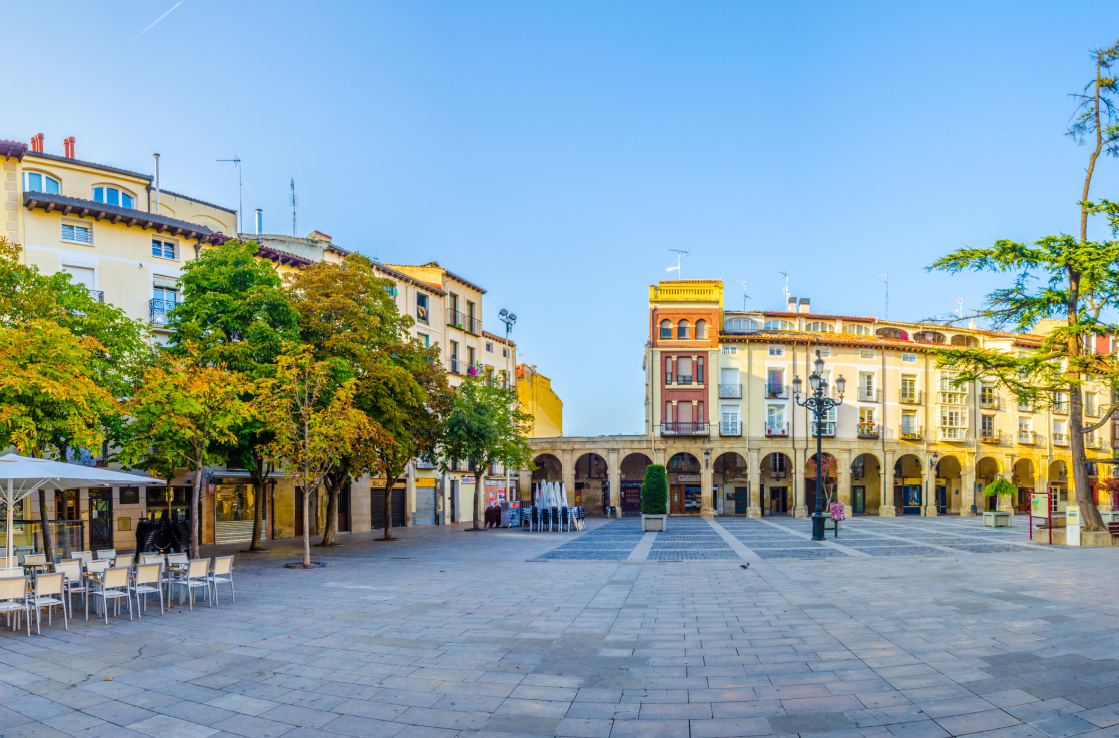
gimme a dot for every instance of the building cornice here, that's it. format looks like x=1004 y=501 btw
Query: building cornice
x=75 y=207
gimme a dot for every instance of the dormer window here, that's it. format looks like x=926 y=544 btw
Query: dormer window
x=35 y=182
x=113 y=196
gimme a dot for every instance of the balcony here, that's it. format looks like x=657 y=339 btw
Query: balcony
x=730 y=428
x=869 y=430
x=990 y=401
x=869 y=395
x=827 y=429
x=776 y=430
x=1060 y=439
x=947 y=397
x=730 y=391
x=422 y=464
x=160 y=311
x=1027 y=437
x=912 y=434
x=951 y=434
x=685 y=429
x=421 y=315
x=990 y=436
x=456 y=366
x=97 y=295
x=910 y=397
x=464 y=322
x=1091 y=441
x=777 y=391
x=1060 y=408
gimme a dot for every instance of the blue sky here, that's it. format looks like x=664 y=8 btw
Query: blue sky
x=554 y=152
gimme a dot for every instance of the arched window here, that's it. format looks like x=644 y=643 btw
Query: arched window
x=700 y=330
x=856 y=329
x=666 y=328
x=682 y=329
x=820 y=327
x=35 y=182
x=113 y=196
x=740 y=325
x=780 y=325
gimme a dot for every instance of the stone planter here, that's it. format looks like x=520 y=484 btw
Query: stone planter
x=654 y=523
x=997 y=519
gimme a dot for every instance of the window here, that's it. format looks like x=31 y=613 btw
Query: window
x=856 y=329
x=775 y=417
x=866 y=416
x=668 y=412
x=866 y=385
x=908 y=388
x=682 y=329
x=909 y=358
x=425 y=338
x=1090 y=403
x=699 y=370
x=452 y=298
x=489 y=346
x=775 y=383
x=740 y=325
x=701 y=330
x=987 y=425
x=82 y=275
x=987 y=394
x=730 y=351
x=166 y=294
x=35 y=182
x=776 y=350
x=113 y=196
x=777 y=463
x=780 y=325
x=824 y=352
x=668 y=364
x=421 y=308
x=77 y=232
x=163 y=249
x=908 y=422
x=951 y=417
x=504 y=352
x=666 y=328
x=866 y=353
x=1024 y=425
x=819 y=326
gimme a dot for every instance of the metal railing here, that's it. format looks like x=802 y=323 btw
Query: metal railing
x=685 y=429
x=1025 y=436
x=776 y=429
x=730 y=428
x=870 y=395
x=869 y=430
x=97 y=295
x=994 y=437
x=730 y=391
x=464 y=322
x=912 y=434
x=951 y=434
x=421 y=315
x=1060 y=408
x=910 y=397
x=777 y=391
x=456 y=366
x=1060 y=439
x=160 y=311
x=827 y=430
x=989 y=401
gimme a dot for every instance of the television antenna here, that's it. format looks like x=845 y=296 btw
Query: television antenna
x=885 y=277
x=236 y=160
x=785 y=290
x=745 y=297
x=293 y=202
x=679 y=253
x=960 y=307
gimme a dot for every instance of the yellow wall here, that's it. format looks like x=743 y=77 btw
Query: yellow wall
x=534 y=392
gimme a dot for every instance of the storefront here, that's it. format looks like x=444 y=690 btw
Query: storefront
x=684 y=491
x=235 y=511
x=631 y=497
x=377 y=502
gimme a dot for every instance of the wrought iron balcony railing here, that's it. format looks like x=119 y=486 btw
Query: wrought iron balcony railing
x=685 y=429
x=730 y=428
x=160 y=311
x=870 y=395
x=1028 y=437
x=910 y=397
x=912 y=433
x=777 y=391
x=456 y=366
x=464 y=322
x=990 y=401
x=776 y=429
x=869 y=430
x=993 y=437
x=730 y=391
x=1060 y=439
x=97 y=295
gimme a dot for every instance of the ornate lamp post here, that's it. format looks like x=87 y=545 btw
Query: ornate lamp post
x=818 y=404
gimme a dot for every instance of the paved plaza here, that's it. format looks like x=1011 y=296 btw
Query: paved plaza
x=905 y=626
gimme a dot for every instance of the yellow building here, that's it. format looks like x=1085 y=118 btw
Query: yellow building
x=536 y=396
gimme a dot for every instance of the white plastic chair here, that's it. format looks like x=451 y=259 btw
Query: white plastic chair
x=112 y=585
x=108 y=554
x=8 y=572
x=14 y=599
x=222 y=573
x=171 y=574
x=97 y=567
x=35 y=560
x=146 y=582
x=48 y=593
x=71 y=571
x=84 y=556
x=194 y=578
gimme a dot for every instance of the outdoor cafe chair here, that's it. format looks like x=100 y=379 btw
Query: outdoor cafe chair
x=221 y=573
x=147 y=582
x=35 y=561
x=48 y=593
x=14 y=599
x=111 y=584
x=555 y=518
x=526 y=518
x=545 y=519
x=71 y=570
x=9 y=572
x=108 y=554
x=96 y=567
x=84 y=556
x=194 y=577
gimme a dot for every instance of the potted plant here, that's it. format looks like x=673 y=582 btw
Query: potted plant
x=654 y=499
x=999 y=489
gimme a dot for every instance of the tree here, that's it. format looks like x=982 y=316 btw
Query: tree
x=183 y=414
x=50 y=395
x=828 y=474
x=1000 y=488
x=485 y=426
x=313 y=422
x=654 y=490
x=235 y=313
x=347 y=314
x=1066 y=280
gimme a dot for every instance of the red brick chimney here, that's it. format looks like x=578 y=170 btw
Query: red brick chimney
x=37 y=143
x=68 y=147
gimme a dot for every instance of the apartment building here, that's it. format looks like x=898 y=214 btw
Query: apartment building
x=908 y=438
x=536 y=396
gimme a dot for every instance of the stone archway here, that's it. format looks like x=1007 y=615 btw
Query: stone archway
x=909 y=485
x=948 y=481
x=732 y=484
x=866 y=484
x=987 y=470
x=1023 y=478
x=632 y=474
x=548 y=469
x=592 y=483
x=775 y=495
x=684 y=490
x=829 y=476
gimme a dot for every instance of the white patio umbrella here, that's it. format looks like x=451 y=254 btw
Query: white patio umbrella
x=22 y=475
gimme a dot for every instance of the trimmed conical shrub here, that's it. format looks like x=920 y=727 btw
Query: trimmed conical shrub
x=654 y=490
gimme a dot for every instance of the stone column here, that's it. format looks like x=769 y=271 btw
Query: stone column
x=887 y=509
x=567 y=460
x=754 y=472
x=967 y=486
x=928 y=475
x=843 y=481
x=614 y=465
x=706 y=501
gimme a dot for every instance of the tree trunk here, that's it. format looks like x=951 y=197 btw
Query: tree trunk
x=307 y=492
x=334 y=484
x=479 y=496
x=259 y=475
x=1089 y=513
x=389 y=480
x=48 y=545
x=196 y=510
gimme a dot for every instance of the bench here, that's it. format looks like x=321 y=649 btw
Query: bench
x=997 y=519
x=832 y=525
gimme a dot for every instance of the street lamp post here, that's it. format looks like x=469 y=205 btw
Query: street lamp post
x=818 y=404
x=508 y=319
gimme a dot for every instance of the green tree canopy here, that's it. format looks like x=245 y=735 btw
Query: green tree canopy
x=654 y=490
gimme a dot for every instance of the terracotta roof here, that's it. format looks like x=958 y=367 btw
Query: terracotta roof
x=820 y=316
x=13 y=149
x=127 y=216
x=499 y=339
